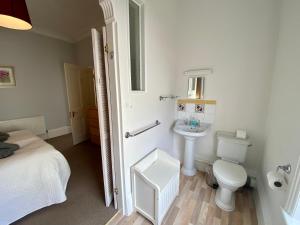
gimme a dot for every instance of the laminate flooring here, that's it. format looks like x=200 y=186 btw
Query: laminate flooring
x=195 y=205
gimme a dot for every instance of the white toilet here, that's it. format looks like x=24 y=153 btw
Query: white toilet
x=229 y=174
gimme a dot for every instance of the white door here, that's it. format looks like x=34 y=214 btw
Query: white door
x=103 y=99
x=76 y=107
x=110 y=70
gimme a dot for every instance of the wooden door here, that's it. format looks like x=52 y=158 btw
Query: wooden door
x=75 y=102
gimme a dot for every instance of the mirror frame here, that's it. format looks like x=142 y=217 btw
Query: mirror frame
x=197 y=73
x=202 y=86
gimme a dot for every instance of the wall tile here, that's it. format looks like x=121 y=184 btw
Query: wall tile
x=180 y=107
x=190 y=108
x=182 y=115
x=199 y=116
x=199 y=108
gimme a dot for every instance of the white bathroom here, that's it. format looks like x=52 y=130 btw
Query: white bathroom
x=245 y=54
x=199 y=111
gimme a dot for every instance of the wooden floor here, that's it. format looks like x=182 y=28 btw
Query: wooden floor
x=196 y=205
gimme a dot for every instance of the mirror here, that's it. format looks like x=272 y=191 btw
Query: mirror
x=136 y=45
x=196 y=87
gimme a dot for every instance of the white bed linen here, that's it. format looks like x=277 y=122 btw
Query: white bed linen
x=22 y=138
x=34 y=177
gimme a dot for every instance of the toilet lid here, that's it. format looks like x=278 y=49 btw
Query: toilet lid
x=230 y=173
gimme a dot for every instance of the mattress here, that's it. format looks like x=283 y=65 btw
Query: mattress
x=34 y=177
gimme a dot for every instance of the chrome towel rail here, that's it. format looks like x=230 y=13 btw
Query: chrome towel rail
x=162 y=98
x=135 y=133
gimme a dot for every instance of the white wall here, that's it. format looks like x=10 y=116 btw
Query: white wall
x=283 y=123
x=84 y=52
x=237 y=38
x=38 y=63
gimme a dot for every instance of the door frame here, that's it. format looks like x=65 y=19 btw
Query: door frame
x=114 y=87
x=292 y=204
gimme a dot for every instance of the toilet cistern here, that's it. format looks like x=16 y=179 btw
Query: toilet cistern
x=190 y=134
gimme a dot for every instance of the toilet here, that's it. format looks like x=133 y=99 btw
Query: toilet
x=229 y=174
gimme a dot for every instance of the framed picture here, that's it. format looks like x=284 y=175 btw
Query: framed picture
x=7 y=77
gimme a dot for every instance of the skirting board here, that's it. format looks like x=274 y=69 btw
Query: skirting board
x=58 y=132
x=261 y=205
x=201 y=164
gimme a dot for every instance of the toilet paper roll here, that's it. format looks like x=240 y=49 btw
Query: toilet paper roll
x=276 y=181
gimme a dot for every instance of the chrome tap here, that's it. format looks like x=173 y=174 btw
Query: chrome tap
x=286 y=168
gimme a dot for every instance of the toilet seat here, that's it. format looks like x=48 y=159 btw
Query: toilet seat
x=229 y=173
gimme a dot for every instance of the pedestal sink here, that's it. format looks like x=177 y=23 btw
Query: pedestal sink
x=190 y=135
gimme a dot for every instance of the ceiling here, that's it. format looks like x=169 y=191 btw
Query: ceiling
x=68 y=20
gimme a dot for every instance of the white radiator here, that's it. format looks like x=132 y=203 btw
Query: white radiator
x=155 y=181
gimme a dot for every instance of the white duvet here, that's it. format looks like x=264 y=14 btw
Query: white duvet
x=34 y=177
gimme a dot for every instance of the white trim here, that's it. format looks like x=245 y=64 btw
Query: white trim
x=52 y=34
x=112 y=41
x=292 y=204
x=60 y=131
x=116 y=104
x=258 y=207
x=61 y=37
x=288 y=219
x=111 y=115
x=261 y=203
x=107 y=9
x=104 y=113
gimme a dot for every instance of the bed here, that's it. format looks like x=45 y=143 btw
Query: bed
x=34 y=177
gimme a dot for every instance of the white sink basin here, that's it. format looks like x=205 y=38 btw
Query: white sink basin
x=190 y=134
x=189 y=131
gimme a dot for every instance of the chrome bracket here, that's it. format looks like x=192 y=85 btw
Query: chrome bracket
x=286 y=168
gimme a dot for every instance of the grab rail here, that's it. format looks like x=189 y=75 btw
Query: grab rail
x=135 y=133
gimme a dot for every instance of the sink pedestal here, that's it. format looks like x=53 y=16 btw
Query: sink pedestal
x=188 y=168
x=190 y=134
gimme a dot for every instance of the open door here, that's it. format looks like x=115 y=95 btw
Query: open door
x=75 y=102
x=104 y=110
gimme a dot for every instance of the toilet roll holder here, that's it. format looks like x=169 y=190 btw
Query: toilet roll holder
x=286 y=168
